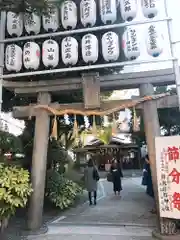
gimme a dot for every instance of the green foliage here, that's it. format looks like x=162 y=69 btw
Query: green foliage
x=60 y=190
x=10 y=143
x=57 y=156
x=106 y=95
x=65 y=135
x=169 y=118
x=15 y=188
x=74 y=174
x=105 y=134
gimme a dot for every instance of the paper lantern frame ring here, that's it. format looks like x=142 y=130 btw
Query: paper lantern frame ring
x=95 y=113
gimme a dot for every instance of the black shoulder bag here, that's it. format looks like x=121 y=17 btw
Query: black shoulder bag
x=95 y=174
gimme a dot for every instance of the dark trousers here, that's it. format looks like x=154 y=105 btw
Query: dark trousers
x=90 y=196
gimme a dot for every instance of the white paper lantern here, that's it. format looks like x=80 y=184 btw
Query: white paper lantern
x=128 y=9
x=69 y=51
x=130 y=44
x=123 y=122
x=149 y=8
x=13 y=58
x=14 y=24
x=108 y=11
x=51 y=21
x=124 y=127
x=31 y=55
x=89 y=46
x=154 y=41
x=110 y=46
x=32 y=23
x=88 y=13
x=50 y=53
x=69 y=14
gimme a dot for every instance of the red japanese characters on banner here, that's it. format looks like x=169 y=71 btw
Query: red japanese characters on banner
x=176 y=200
x=175 y=176
x=168 y=175
x=172 y=153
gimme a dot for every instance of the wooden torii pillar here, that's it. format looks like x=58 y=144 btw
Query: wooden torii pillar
x=39 y=162
x=91 y=89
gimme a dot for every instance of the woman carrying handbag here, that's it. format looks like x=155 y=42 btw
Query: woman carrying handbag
x=91 y=177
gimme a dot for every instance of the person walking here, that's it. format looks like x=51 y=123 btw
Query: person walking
x=91 y=177
x=116 y=177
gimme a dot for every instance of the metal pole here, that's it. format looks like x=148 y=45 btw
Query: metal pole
x=83 y=30
x=2 y=37
x=173 y=53
x=84 y=68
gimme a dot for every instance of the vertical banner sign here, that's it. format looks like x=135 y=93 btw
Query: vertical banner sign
x=168 y=175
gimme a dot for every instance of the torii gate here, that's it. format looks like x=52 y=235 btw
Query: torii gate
x=91 y=90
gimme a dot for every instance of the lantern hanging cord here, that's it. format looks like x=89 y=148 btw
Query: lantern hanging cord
x=131 y=104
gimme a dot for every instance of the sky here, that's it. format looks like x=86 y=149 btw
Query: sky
x=16 y=126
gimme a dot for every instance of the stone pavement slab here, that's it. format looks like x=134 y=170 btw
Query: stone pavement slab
x=96 y=232
x=125 y=218
x=91 y=237
x=133 y=208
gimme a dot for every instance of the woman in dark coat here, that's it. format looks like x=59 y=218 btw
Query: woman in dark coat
x=116 y=177
x=149 y=189
x=149 y=183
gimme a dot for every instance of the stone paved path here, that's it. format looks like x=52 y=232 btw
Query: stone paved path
x=125 y=218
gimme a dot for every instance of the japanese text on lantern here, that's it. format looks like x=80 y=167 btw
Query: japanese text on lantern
x=152 y=37
x=86 y=9
x=88 y=45
x=127 y=5
x=134 y=39
x=15 y=21
x=131 y=40
x=48 y=18
x=27 y=52
x=106 y=7
x=67 y=9
x=68 y=46
x=149 y=3
x=50 y=51
x=110 y=43
x=168 y=173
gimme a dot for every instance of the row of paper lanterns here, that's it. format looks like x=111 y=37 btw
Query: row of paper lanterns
x=30 y=56
x=69 y=18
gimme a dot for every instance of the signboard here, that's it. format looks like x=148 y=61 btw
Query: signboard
x=168 y=175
